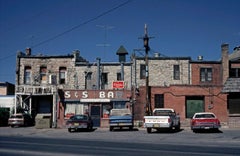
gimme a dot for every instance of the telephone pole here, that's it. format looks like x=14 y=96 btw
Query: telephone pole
x=148 y=107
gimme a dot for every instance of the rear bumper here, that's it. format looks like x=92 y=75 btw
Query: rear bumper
x=17 y=123
x=213 y=126
x=121 y=124
x=157 y=125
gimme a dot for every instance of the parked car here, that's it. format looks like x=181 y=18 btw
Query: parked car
x=77 y=122
x=20 y=119
x=120 y=118
x=205 y=120
x=162 y=118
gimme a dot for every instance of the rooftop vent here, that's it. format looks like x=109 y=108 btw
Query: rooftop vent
x=200 y=58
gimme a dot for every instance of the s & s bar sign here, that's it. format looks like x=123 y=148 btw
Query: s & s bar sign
x=118 y=84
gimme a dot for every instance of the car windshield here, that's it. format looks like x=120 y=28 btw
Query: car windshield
x=204 y=116
x=79 y=117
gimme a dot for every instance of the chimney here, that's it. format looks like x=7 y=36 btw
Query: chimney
x=28 y=51
x=225 y=62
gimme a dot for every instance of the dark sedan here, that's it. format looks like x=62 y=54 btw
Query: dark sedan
x=77 y=122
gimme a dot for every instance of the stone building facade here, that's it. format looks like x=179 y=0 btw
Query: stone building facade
x=67 y=85
x=61 y=86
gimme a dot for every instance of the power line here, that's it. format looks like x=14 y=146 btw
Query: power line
x=82 y=24
x=77 y=26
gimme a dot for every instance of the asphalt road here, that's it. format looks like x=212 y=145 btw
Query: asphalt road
x=31 y=141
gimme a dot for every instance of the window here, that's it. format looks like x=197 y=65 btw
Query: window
x=206 y=74
x=234 y=72
x=43 y=74
x=176 y=72
x=104 y=78
x=27 y=75
x=62 y=75
x=142 y=71
x=119 y=77
x=159 y=100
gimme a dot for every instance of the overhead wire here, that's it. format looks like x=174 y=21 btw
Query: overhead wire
x=77 y=26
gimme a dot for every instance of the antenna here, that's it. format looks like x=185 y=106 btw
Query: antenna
x=105 y=44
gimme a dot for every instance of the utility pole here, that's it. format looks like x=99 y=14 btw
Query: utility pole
x=148 y=107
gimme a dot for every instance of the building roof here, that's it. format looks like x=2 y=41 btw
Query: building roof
x=121 y=51
x=231 y=85
x=235 y=55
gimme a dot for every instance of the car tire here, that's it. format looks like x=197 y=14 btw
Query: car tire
x=149 y=130
x=111 y=128
x=69 y=130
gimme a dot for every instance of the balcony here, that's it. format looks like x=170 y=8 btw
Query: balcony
x=36 y=90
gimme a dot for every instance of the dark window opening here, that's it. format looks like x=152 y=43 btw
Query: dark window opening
x=176 y=72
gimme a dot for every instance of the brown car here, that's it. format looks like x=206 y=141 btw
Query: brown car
x=20 y=119
x=77 y=122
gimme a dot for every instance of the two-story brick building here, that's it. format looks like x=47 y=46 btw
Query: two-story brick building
x=191 y=86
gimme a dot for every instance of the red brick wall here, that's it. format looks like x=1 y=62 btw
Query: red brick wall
x=217 y=76
x=174 y=97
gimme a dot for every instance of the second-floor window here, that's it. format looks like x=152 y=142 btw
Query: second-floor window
x=142 y=71
x=104 y=78
x=43 y=74
x=27 y=75
x=62 y=75
x=234 y=72
x=119 y=77
x=206 y=74
x=176 y=72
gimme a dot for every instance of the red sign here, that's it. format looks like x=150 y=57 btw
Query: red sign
x=118 y=84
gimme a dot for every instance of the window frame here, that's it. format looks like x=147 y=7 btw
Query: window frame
x=206 y=74
x=27 y=74
x=62 y=75
x=142 y=71
x=176 y=72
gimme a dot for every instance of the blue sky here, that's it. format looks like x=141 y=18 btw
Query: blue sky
x=57 y=27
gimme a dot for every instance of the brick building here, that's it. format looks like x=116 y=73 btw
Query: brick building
x=190 y=86
x=66 y=85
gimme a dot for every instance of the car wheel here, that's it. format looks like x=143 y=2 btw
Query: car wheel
x=69 y=130
x=111 y=128
x=149 y=130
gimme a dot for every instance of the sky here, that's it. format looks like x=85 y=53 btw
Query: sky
x=97 y=28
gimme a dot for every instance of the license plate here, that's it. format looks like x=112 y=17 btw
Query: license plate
x=76 y=124
x=156 y=125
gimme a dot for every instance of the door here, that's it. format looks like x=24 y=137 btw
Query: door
x=96 y=115
x=194 y=105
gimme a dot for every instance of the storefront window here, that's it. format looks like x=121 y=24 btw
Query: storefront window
x=106 y=110
x=73 y=108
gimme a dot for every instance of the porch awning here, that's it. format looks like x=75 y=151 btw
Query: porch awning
x=231 y=85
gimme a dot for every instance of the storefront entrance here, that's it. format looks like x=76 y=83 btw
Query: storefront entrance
x=96 y=115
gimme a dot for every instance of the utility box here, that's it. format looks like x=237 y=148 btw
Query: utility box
x=43 y=120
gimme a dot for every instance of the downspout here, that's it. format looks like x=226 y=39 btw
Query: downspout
x=98 y=73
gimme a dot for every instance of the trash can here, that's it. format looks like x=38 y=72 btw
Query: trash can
x=43 y=121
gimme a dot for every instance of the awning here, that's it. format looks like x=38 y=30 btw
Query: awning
x=231 y=85
x=94 y=100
